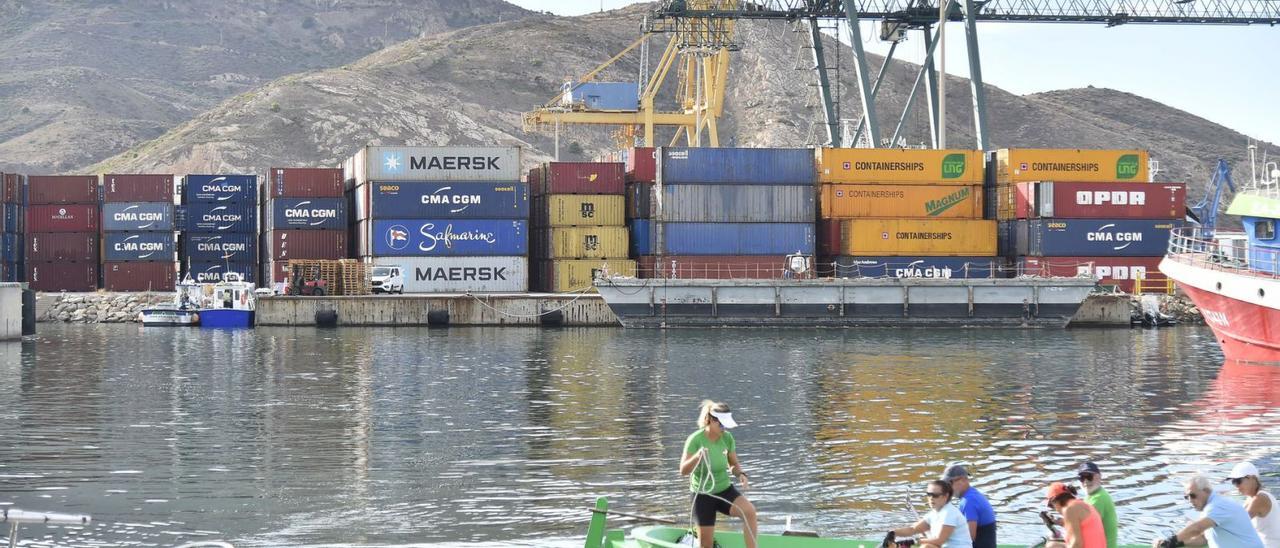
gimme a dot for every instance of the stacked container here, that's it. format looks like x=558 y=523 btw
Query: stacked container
x=455 y=219
x=62 y=232
x=304 y=216
x=220 y=227
x=579 y=225
x=12 y=219
x=138 y=233
x=1070 y=212
x=903 y=213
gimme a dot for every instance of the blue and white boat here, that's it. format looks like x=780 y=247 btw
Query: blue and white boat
x=229 y=303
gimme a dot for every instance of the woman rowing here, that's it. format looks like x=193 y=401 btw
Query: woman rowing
x=710 y=455
x=944 y=524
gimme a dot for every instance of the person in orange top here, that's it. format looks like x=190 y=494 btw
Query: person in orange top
x=1082 y=522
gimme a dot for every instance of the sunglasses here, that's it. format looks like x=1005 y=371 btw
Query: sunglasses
x=1086 y=477
x=933 y=495
x=1237 y=481
x=1191 y=496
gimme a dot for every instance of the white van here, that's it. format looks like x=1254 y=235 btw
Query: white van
x=387 y=279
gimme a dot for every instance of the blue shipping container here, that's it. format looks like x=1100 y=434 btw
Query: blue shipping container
x=730 y=239
x=235 y=248
x=641 y=237
x=12 y=248
x=137 y=216
x=220 y=189
x=449 y=238
x=10 y=218
x=745 y=166
x=309 y=213
x=607 y=95
x=449 y=200
x=138 y=246
x=211 y=272
x=917 y=267
x=1093 y=237
x=221 y=217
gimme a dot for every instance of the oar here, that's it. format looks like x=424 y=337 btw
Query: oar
x=654 y=519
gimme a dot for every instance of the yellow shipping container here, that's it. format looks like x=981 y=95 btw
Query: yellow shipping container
x=578 y=274
x=585 y=242
x=900 y=166
x=843 y=201
x=918 y=237
x=1020 y=165
x=585 y=210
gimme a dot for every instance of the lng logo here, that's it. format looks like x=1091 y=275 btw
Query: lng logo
x=392 y=163
x=397 y=237
x=953 y=166
x=1127 y=166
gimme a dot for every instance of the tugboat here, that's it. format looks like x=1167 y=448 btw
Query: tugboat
x=230 y=304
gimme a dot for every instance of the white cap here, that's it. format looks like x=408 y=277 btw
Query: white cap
x=726 y=419
x=1243 y=469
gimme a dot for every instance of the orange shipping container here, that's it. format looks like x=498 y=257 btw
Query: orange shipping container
x=900 y=166
x=1021 y=165
x=843 y=201
x=918 y=237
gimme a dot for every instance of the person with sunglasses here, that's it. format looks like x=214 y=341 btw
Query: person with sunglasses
x=710 y=456
x=979 y=514
x=1223 y=523
x=1082 y=524
x=944 y=524
x=1090 y=478
x=1260 y=504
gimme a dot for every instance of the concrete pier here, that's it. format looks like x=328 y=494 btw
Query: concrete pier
x=515 y=309
x=1102 y=310
x=10 y=311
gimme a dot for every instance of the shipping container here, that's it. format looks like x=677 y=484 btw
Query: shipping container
x=62 y=189
x=642 y=164
x=1093 y=237
x=430 y=200
x=11 y=218
x=63 y=276
x=828 y=237
x=918 y=237
x=138 y=246
x=581 y=178
x=220 y=248
x=845 y=266
x=137 y=188
x=845 y=201
x=227 y=217
x=744 y=166
x=737 y=203
x=212 y=272
x=613 y=96
x=62 y=218
x=715 y=267
x=307 y=244
x=1024 y=165
x=307 y=214
x=461 y=274
x=729 y=239
x=452 y=164
x=150 y=276
x=1014 y=201
x=1108 y=201
x=581 y=210
x=131 y=216
x=241 y=189
x=11 y=185
x=639 y=200
x=304 y=182
x=900 y=166
x=568 y=275
x=640 y=234
x=12 y=272
x=581 y=242
x=11 y=248
x=62 y=246
x=1118 y=271
x=449 y=238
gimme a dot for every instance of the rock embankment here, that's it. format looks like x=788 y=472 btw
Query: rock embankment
x=1176 y=305
x=95 y=307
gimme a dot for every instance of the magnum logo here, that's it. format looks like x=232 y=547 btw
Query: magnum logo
x=935 y=207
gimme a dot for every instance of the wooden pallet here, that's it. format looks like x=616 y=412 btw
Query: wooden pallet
x=355 y=277
x=326 y=270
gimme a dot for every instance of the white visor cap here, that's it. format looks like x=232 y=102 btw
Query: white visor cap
x=726 y=419
x=1243 y=470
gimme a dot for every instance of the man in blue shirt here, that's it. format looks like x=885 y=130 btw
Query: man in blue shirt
x=977 y=511
x=1223 y=523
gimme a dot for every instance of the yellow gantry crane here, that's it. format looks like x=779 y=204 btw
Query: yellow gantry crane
x=699 y=51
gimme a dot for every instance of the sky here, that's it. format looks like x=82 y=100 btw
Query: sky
x=1229 y=75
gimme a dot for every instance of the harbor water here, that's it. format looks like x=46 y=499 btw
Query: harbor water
x=504 y=436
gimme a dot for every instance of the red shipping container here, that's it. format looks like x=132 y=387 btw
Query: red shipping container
x=305 y=182
x=581 y=178
x=62 y=218
x=137 y=188
x=1105 y=200
x=63 y=276
x=308 y=244
x=1117 y=271
x=714 y=267
x=138 y=276
x=10 y=188
x=62 y=189
x=829 y=237
x=62 y=246
x=642 y=165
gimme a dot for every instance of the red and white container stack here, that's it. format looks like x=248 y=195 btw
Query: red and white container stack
x=304 y=216
x=139 y=242
x=62 y=232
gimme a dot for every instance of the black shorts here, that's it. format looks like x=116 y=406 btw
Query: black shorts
x=706 y=506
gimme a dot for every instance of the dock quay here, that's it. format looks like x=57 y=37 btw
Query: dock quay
x=442 y=309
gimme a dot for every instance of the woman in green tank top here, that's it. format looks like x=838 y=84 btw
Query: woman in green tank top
x=710 y=459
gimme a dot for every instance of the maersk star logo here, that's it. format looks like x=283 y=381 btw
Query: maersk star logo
x=392 y=162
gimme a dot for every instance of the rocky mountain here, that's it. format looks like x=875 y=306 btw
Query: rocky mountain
x=81 y=80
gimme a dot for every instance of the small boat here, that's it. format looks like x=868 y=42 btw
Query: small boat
x=182 y=312
x=228 y=303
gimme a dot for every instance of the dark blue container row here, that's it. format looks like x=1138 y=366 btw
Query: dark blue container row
x=220 y=189
x=12 y=248
x=10 y=218
x=205 y=247
x=918 y=267
x=137 y=216
x=449 y=200
x=307 y=214
x=138 y=246
x=212 y=271
x=749 y=166
x=1086 y=237
x=220 y=217
x=723 y=238
x=449 y=237
x=12 y=272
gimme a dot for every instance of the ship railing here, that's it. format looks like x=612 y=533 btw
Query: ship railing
x=1226 y=251
x=994 y=268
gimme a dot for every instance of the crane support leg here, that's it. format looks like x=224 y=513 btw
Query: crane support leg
x=931 y=84
x=860 y=66
x=875 y=90
x=975 y=74
x=824 y=84
x=926 y=69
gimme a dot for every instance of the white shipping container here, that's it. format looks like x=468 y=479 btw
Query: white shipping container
x=461 y=274
x=403 y=163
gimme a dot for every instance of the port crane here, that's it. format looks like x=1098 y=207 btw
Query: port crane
x=702 y=37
